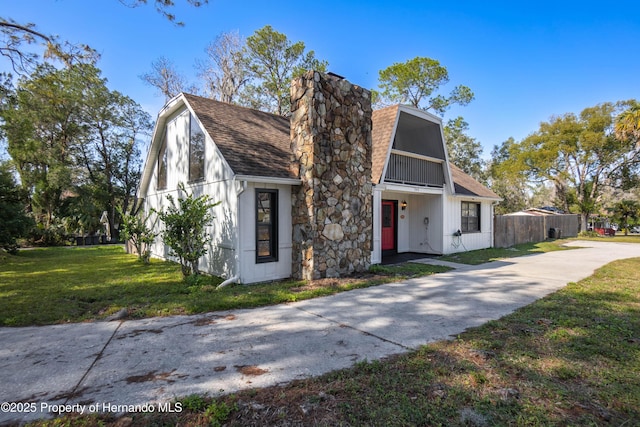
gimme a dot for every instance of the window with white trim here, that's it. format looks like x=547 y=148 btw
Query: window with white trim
x=162 y=163
x=196 y=150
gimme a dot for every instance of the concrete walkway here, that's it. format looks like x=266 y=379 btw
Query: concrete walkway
x=103 y=364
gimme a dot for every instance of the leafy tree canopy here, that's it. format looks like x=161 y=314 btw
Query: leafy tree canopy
x=507 y=180
x=255 y=72
x=626 y=211
x=417 y=82
x=17 y=37
x=43 y=125
x=464 y=150
x=580 y=154
x=14 y=221
x=273 y=61
x=628 y=122
x=74 y=143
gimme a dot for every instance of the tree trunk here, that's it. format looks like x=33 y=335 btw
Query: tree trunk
x=584 y=221
x=186 y=271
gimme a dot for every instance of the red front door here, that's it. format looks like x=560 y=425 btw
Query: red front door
x=389 y=208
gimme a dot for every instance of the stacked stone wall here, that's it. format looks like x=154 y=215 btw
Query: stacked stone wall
x=331 y=146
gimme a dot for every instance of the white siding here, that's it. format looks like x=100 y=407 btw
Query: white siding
x=445 y=217
x=250 y=271
x=221 y=258
x=453 y=221
x=425 y=217
x=414 y=233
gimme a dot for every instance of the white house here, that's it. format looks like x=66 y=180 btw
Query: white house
x=394 y=192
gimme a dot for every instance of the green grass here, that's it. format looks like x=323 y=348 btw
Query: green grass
x=569 y=359
x=405 y=270
x=59 y=285
x=482 y=256
x=618 y=238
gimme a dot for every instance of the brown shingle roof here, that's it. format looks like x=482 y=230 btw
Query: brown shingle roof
x=258 y=143
x=383 y=122
x=252 y=142
x=465 y=185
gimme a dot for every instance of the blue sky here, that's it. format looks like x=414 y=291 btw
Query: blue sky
x=525 y=60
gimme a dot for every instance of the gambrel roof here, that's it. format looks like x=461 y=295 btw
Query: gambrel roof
x=252 y=142
x=257 y=144
x=383 y=127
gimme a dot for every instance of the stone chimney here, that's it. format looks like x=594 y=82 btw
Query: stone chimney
x=331 y=145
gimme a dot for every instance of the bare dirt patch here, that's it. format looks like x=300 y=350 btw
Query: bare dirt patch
x=251 y=370
x=336 y=283
x=151 y=376
x=212 y=319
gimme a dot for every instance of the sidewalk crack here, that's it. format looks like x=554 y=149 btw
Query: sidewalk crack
x=98 y=357
x=344 y=325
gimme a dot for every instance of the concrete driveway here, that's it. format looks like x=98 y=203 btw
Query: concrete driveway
x=103 y=365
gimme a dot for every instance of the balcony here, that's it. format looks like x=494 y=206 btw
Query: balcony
x=414 y=169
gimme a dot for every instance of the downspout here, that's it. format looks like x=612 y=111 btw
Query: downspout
x=229 y=281
x=236 y=277
x=493 y=222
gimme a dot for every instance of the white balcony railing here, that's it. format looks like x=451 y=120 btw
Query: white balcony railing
x=414 y=170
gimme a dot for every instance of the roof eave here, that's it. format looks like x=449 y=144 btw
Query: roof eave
x=169 y=108
x=476 y=196
x=268 y=179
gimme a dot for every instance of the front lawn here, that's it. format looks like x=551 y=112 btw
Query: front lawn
x=618 y=238
x=569 y=359
x=493 y=254
x=59 y=285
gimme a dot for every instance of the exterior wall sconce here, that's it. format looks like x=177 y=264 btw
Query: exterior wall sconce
x=403 y=205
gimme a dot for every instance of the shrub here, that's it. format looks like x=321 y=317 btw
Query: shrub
x=185 y=224
x=52 y=235
x=135 y=229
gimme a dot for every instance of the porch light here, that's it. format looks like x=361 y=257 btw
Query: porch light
x=403 y=204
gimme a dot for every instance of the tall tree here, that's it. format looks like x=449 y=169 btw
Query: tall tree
x=14 y=221
x=624 y=211
x=223 y=71
x=580 y=155
x=628 y=122
x=464 y=150
x=507 y=180
x=75 y=144
x=110 y=149
x=166 y=79
x=273 y=61
x=417 y=81
x=43 y=127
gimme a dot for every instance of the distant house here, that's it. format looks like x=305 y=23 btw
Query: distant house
x=327 y=192
x=537 y=212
